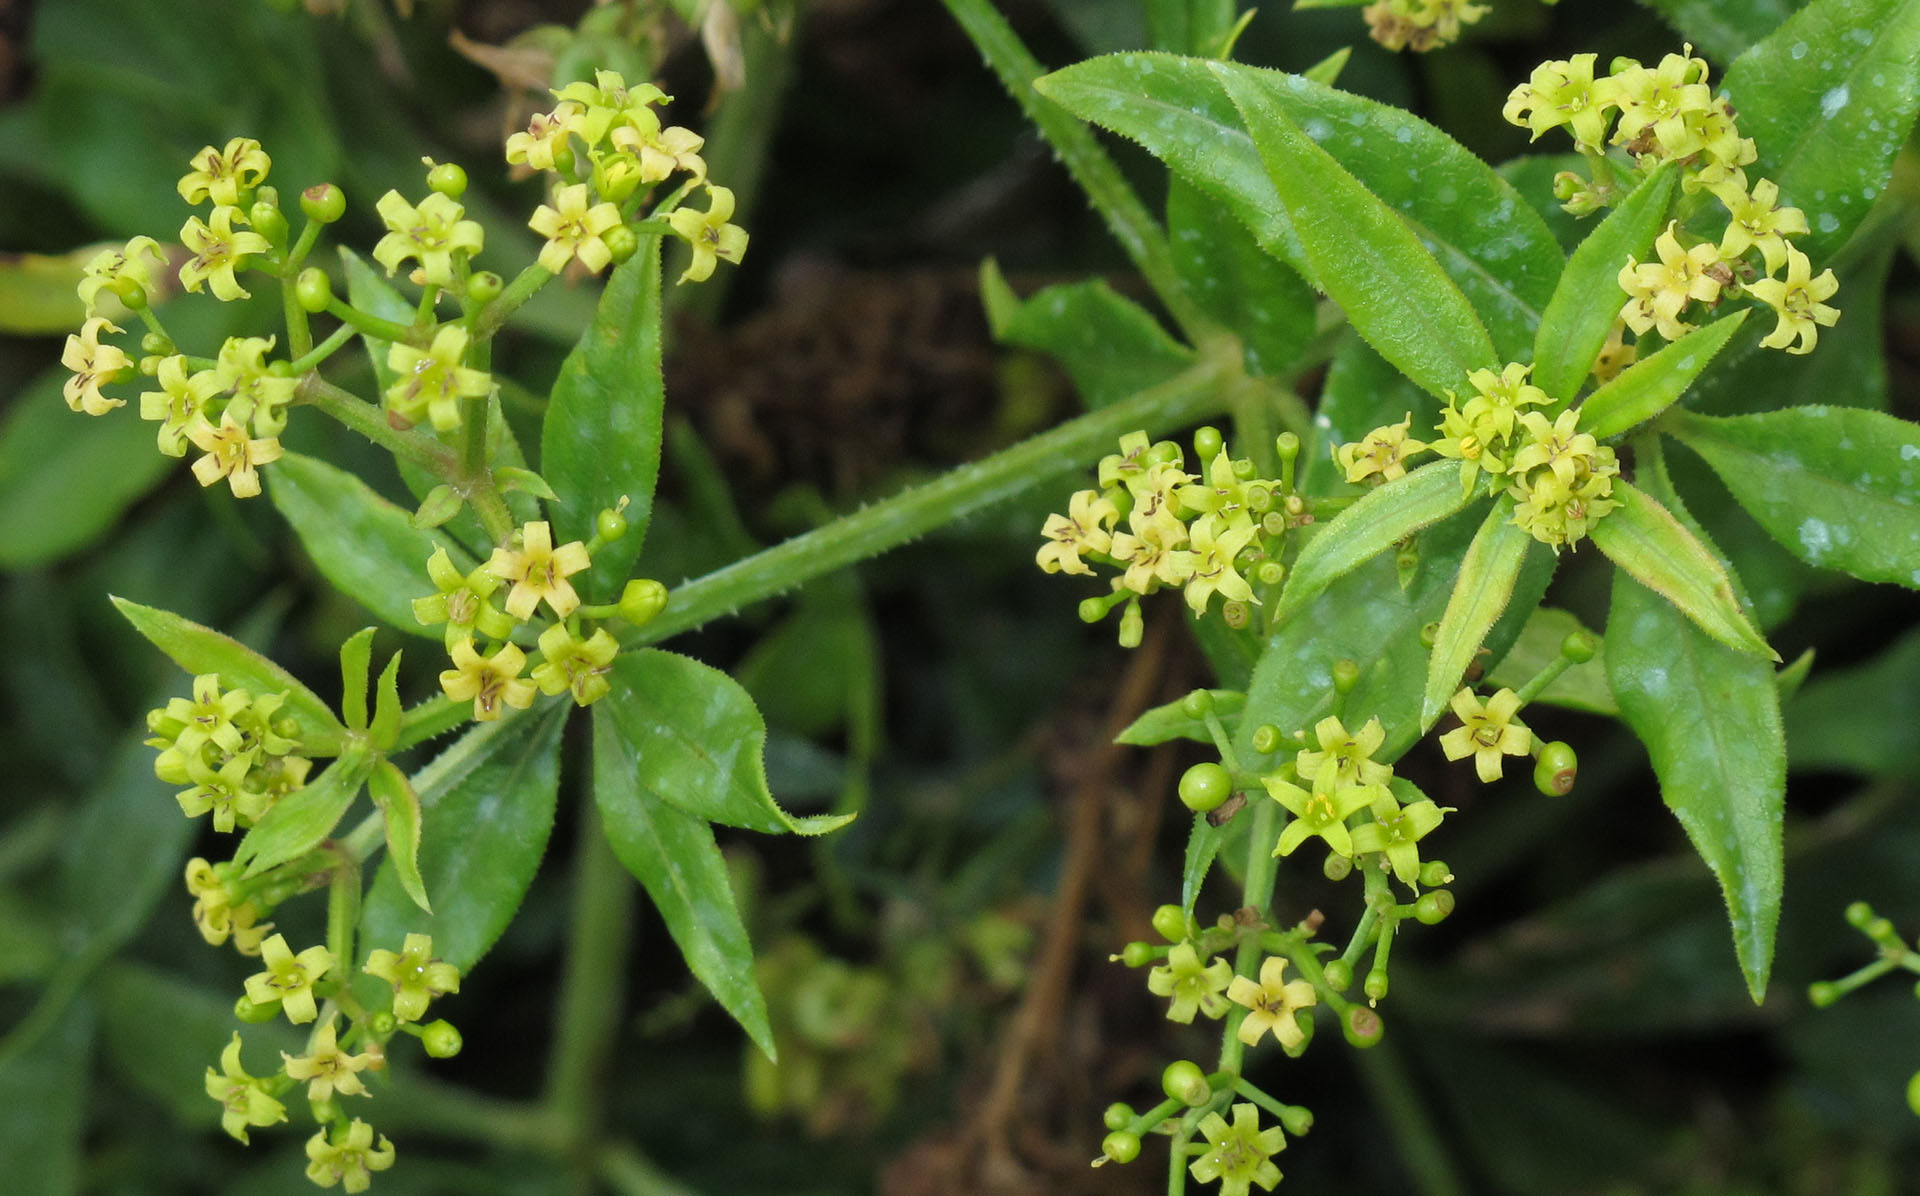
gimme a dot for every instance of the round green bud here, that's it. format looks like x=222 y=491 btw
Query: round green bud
x=1133 y=626
x=1092 y=610
x=266 y=220
x=1858 y=914
x=1207 y=443
x=1579 y=646
x=154 y=342
x=564 y=161
x=313 y=289
x=1429 y=632
x=1273 y=523
x=1822 y=993
x=1259 y=498
x=1339 y=974
x=254 y=1012
x=1346 y=675
x=1433 y=907
x=440 y=1039
x=1556 y=770
x=1296 y=1119
x=641 y=600
x=1362 y=1026
x=1435 y=873
x=1243 y=469
x=130 y=292
x=268 y=194
x=1235 y=613
x=1337 y=867
x=382 y=1024
x=1880 y=930
x=1266 y=739
x=1198 y=704
x=323 y=203
x=1295 y=506
x=1287 y=445
x=1913 y=1094
x=1375 y=985
x=1164 y=452
x=610 y=524
x=1204 y=787
x=1119 y=1115
x=1138 y=954
x=621 y=241
x=448 y=179
x=485 y=286
x=1270 y=573
x=1185 y=1082
x=1171 y=923
x=1120 y=1146
x=150 y=366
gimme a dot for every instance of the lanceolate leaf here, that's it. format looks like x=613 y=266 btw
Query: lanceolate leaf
x=200 y=649
x=1363 y=254
x=1109 y=345
x=699 y=742
x=1644 y=539
x=674 y=856
x=1828 y=99
x=1651 y=385
x=1722 y=29
x=364 y=544
x=486 y=811
x=1710 y=717
x=297 y=822
x=1485 y=586
x=1490 y=242
x=1262 y=300
x=1380 y=519
x=1585 y=304
x=400 y=806
x=1171 y=721
x=601 y=438
x=1838 y=486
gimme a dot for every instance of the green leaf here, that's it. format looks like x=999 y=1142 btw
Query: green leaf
x=1262 y=301
x=200 y=650
x=1652 y=384
x=1204 y=842
x=673 y=855
x=1828 y=99
x=601 y=437
x=1488 y=575
x=355 y=656
x=1584 y=306
x=162 y=1034
x=699 y=742
x=1380 y=519
x=486 y=811
x=1107 y=343
x=1650 y=545
x=45 y=1093
x=65 y=479
x=1839 y=487
x=37 y=296
x=1362 y=392
x=362 y=543
x=298 y=822
x=399 y=805
x=384 y=733
x=1171 y=721
x=1490 y=242
x=1710 y=717
x=1861 y=719
x=1580 y=687
x=1723 y=29
x=129 y=829
x=1363 y=254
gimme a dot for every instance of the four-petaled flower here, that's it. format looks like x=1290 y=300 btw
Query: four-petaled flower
x=1395 y=832
x=417 y=977
x=430 y=233
x=225 y=790
x=463 y=601
x=573 y=228
x=1383 y=451
x=1272 y=1002
x=221 y=175
x=260 y=396
x=1757 y=221
x=243 y=1099
x=1486 y=732
x=1212 y=551
x=1561 y=93
x=607 y=102
x=1238 y=1155
x=1658 y=291
x=538 y=571
x=231 y=454
x=487 y=680
x=289 y=978
x=664 y=152
x=711 y=237
x=1194 y=987
x=328 y=1069
x=431 y=381
x=92 y=363
x=1798 y=301
x=1343 y=759
x=1318 y=813
x=218 y=250
x=113 y=270
x=1084 y=528
x=580 y=666
x=179 y=404
x=345 y=1159
x=545 y=137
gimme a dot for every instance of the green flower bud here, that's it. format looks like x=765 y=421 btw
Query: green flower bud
x=1346 y=675
x=157 y=343
x=130 y=292
x=1433 y=907
x=610 y=524
x=1207 y=443
x=1858 y=914
x=1119 y=1115
x=1120 y=1146
x=1266 y=739
x=1185 y=1082
x=1259 y=498
x=1362 y=1026
x=1164 y=452
x=1337 y=867
x=1579 y=646
x=254 y=1012
x=1339 y=974
x=1243 y=469
x=1198 y=704
x=1429 y=632
x=1204 y=787
x=266 y=220
x=382 y=1023
x=1235 y=613
x=1133 y=626
x=484 y=286
x=1375 y=986
x=448 y=179
x=313 y=289
x=1274 y=523
x=621 y=242
x=440 y=1039
x=1556 y=769
x=641 y=600
x=1138 y=954
x=1287 y=445
x=1822 y=993
x=1435 y=873
x=1296 y=1119
x=1171 y=923
x=323 y=203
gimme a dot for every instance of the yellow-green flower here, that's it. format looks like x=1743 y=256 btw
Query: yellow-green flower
x=1658 y=291
x=92 y=363
x=243 y=1099
x=1396 y=831
x=463 y=601
x=231 y=454
x=179 y=404
x=346 y=1157
x=1561 y=93
x=1194 y=987
x=1084 y=528
x=1272 y=1003
x=1322 y=814
x=1222 y=494
x=545 y=137
x=579 y=666
x=214 y=913
x=1153 y=550
x=608 y=102
x=1487 y=732
x=1213 y=547
x=218 y=250
x=712 y=238
x=1798 y=301
x=260 y=396
x=430 y=234
x=328 y=1069
x=431 y=382
x=663 y=152
x=1383 y=451
x=1238 y=1155
x=573 y=228
x=539 y=571
x=1343 y=759
x=1657 y=103
x=1757 y=221
x=224 y=175
x=417 y=977
x=488 y=681
x=111 y=267
x=289 y=978
x=225 y=791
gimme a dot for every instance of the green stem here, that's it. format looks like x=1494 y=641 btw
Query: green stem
x=343 y=911
x=316 y=354
x=299 y=333
x=1263 y=867
x=1415 y=1135
x=1194 y=393
x=523 y=287
x=374 y=326
x=371 y=421
x=592 y=991
x=1139 y=234
x=628 y=1172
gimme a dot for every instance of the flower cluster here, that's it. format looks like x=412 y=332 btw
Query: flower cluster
x=1346 y=784
x=231 y=178
x=627 y=152
x=1197 y=533
x=1668 y=113
x=235 y=751
x=1419 y=25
